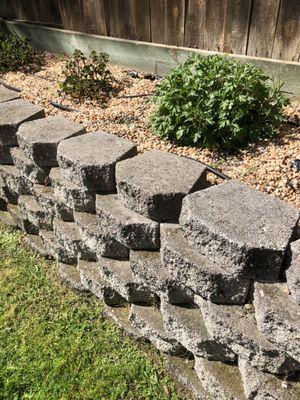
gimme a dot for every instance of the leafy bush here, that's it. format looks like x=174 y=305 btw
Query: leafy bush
x=15 y=53
x=217 y=102
x=87 y=77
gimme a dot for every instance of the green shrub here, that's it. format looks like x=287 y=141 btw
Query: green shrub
x=87 y=77
x=217 y=102
x=15 y=53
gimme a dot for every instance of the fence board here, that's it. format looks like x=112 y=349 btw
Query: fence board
x=195 y=24
x=262 y=27
x=287 y=37
x=71 y=14
x=157 y=21
x=94 y=17
x=214 y=25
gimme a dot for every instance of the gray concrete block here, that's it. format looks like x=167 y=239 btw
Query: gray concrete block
x=12 y=115
x=260 y=385
x=92 y=279
x=35 y=243
x=240 y=228
x=93 y=166
x=150 y=323
x=120 y=316
x=28 y=168
x=155 y=183
x=68 y=235
x=21 y=220
x=235 y=327
x=7 y=219
x=34 y=213
x=293 y=272
x=186 y=325
x=278 y=317
x=5 y=155
x=198 y=272
x=74 y=197
x=54 y=250
x=15 y=181
x=8 y=95
x=6 y=194
x=128 y=227
x=70 y=275
x=222 y=381
x=119 y=276
x=39 y=139
x=149 y=271
x=99 y=242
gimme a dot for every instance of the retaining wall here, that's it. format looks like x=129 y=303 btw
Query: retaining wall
x=209 y=274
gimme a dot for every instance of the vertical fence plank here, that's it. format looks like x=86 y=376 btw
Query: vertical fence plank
x=94 y=17
x=262 y=27
x=195 y=24
x=71 y=14
x=214 y=25
x=175 y=19
x=157 y=21
x=287 y=37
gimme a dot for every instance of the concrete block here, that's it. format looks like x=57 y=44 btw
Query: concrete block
x=35 y=243
x=7 y=195
x=240 y=228
x=28 y=168
x=155 y=183
x=22 y=221
x=5 y=155
x=198 y=272
x=148 y=271
x=70 y=275
x=236 y=328
x=15 y=181
x=12 y=115
x=99 y=242
x=120 y=316
x=74 y=197
x=185 y=324
x=54 y=250
x=39 y=139
x=93 y=167
x=150 y=323
x=8 y=95
x=34 y=213
x=293 y=272
x=131 y=229
x=7 y=219
x=278 y=317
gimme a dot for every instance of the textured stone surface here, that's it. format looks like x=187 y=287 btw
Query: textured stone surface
x=94 y=165
x=28 y=168
x=8 y=95
x=100 y=243
x=198 y=272
x=70 y=275
x=236 y=328
x=12 y=115
x=48 y=201
x=154 y=183
x=293 y=272
x=68 y=235
x=35 y=243
x=119 y=276
x=34 y=213
x=278 y=317
x=5 y=155
x=74 y=197
x=186 y=325
x=149 y=321
x=120 y=316
x=54 y=250
x=260 y=385
x=133 y=230
x=221 y=380
x=15 y=181
x=39 y=139
x=240 y=228
x=21 y=220
x=7 y=195
x=92 y=279
x=149 y=271
x=7 y=219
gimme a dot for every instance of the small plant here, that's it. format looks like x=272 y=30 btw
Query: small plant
x=216 y=102
x=15 y=53
x=87 y=77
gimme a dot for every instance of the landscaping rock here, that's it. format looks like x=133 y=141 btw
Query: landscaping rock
x=93 y=167
x=99 y=242
x=35 y=243
x=92 y=280
x=7 y=219
x=185 y=324
x=5 y=155
x=120 y=316
x=240 y=228
x=149 y=271
x=133 y=230
x=293 y=272
x=39 y=139
x=278 y=317
x=28 y=168
x=74 y=197
x=236 y=328
x=149 y=321
x=155 y=183
x=198 y=272
x=12 y=115
x=34 y=213
x=15 y=181
x=221 y=380
x=21 y=221
x=119 y=276
x=7 y=195
x=7 y=95
x=70 y=275
x=54 y=250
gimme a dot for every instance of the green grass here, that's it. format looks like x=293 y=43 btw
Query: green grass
x=55 y=344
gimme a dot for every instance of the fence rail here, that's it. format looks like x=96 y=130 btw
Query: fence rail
x=263 y=28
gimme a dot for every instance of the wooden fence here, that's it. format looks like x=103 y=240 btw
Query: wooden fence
x=264 y=28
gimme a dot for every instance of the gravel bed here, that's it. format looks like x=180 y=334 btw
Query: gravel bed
x=267 y=166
